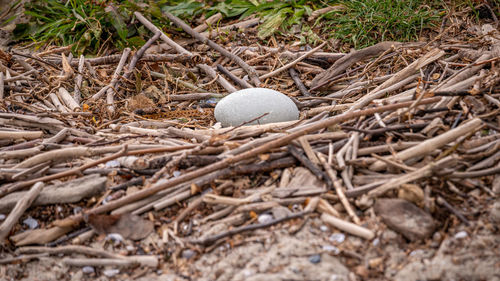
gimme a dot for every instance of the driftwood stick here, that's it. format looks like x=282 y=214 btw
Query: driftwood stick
x=403 y=75
x=138 y=55
x=476 y=174
x=208 y=22
x=115 y=77
x=68 y=192
x=68 y=100
x=348 y=227
x=163 y=36
x=242 y=83
x=194 y=96
x=338 y=189
x=423 y=172
x=296 y=79
x=325 y=207
x=19 y=135
x=250 y=70
x=393 y=163
x=293 y=63
x=74 y=171
x=431 y=144
x=68 y=250
x=57 y=103
x=150 y=261
x=21 y=206
x=444 y=203
x=2 y=85
x=348 y=60
x=309 y=164
x=110 y=93
x=113 y=59
x=213 y=75
x=236 y=26
x=78 y=80
x=212 y=239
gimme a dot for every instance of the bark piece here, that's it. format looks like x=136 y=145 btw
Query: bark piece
x=405 y=218
x=67 y=192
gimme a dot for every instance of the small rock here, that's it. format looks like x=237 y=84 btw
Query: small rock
x=264 y=218
x=88 y=269
x=111 y=272
x=77 y=210
x=461 y=235
x=248 y=104
x=188 y=253
x=405 y=218
x=316 y=258
x=324 y=228
x=31 y=223
x=332 y=249
x=337 y=237
x=2 y=217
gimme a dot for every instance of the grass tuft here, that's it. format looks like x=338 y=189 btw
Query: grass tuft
x=364 y=23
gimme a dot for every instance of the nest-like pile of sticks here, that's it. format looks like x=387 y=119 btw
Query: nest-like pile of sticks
x=372 y=122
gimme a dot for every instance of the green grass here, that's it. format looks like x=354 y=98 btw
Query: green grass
x=364 y=23
x=90 y=24
x=86 y=24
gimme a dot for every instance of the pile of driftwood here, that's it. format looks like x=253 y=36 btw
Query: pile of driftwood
x=101 y=141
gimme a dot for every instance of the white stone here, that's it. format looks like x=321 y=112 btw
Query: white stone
x=248 y=104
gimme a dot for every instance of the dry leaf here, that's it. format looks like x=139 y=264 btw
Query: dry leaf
x=264 y=157
x=195 y=189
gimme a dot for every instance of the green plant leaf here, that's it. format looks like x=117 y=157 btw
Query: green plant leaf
x=184 y=9
x=271 y=24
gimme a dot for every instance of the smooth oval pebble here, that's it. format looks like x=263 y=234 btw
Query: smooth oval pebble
x=88 y=269
x=248 y=104
x=316 y=258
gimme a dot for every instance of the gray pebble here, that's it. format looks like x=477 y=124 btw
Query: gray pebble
x=88 y=269
x=31 y=223
x=264 y=218
x=332 y=249
x=111 y=272
x=337 y=237
x=461 y=235
x=188 y=253
x=248 y=104
x=316 y=258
